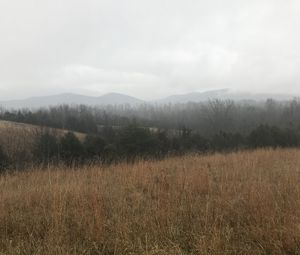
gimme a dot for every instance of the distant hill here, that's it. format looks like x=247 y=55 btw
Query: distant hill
x=71 y=99
x=121 y=99
x=116 y=99
x=221 y=94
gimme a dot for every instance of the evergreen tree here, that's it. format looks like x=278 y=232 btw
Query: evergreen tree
x=72 y=150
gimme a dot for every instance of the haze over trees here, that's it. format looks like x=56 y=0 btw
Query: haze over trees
x=124 y=132
x=206 y=118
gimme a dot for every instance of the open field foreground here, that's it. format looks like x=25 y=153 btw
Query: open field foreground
x=240 y=203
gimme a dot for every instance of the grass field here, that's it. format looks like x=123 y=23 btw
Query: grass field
x=23 y=127
x=18 y=139
x=239 y=203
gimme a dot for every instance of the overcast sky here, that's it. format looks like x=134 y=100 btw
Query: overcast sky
x=148 y=49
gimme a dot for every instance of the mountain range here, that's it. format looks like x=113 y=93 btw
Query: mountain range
x=71 y=99
x=224 y=94
x=121 y=99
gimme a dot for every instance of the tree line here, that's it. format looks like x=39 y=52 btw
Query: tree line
x=206 y=118
x=115 y=133
x=133 y=142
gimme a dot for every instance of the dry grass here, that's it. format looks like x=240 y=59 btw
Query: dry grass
x=242 y=203
x=18 y=140
x=28 y=128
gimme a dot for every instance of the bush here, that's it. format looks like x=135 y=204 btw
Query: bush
x=137 y=142
x=227 y=141
x=94 y=146
x=3 y=160
x=47 y=148
x=72 y=150
x=266 y=136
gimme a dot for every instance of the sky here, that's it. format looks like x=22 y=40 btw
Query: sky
x=148 y=49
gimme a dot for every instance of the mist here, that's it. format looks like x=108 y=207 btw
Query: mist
x=148 y=49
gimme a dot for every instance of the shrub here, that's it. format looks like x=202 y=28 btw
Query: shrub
x=94 y=146
x=47 y=148
x=71 y=148
x=135 y=141
x=3 y=160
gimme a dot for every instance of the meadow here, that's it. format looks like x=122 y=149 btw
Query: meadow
x=237 y=203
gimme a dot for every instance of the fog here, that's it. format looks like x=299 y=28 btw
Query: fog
x=148 y=49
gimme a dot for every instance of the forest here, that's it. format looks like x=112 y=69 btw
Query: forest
x=127 y=133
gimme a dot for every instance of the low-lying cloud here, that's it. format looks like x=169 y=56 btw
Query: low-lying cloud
x=148 y=49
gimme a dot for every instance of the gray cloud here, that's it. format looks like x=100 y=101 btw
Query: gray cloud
x=148 y=48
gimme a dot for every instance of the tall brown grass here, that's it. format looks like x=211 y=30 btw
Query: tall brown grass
x=239 y=203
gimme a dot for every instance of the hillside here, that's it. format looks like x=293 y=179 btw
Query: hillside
x=118 y=99
x=223 y=94
x=23 y=127
x=18 y=139
x=71 y=99
x=239 y=203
